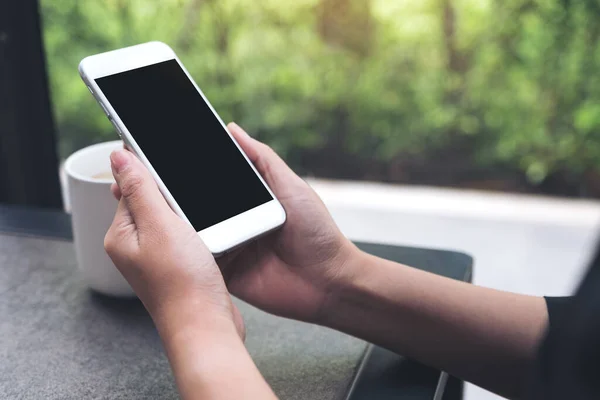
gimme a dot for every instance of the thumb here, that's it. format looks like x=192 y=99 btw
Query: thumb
x=139 y=192
x=122 y=228
x=270 y=166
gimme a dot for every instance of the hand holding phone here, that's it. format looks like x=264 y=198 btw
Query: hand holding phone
x=294 y=271
x=167 y=122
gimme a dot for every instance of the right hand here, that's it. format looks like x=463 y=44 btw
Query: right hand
x=293 y=271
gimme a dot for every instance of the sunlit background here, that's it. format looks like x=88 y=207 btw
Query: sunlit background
x=497 y=95
x=471 y=93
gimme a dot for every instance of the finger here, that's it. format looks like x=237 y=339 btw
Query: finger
x=230 y=256
x=120 y=232
x=238 y=320
x=228 y=264
x=139 y=190
x=272 y=168
x=250 y=145
x=116 y=192
x=123 y=217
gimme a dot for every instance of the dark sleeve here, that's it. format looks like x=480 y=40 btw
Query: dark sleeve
x=543 y=384
x=556 y=310
x=569 y=356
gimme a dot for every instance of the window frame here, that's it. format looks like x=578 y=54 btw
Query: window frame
x=29 y=167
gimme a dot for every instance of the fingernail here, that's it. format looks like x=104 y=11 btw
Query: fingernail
x=119 y=159
x=239 y=128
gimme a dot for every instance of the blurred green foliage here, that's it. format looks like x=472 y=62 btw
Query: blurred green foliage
x=516 y=80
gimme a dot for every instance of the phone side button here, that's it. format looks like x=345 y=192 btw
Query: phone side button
x=105 y=111
x=116 y=127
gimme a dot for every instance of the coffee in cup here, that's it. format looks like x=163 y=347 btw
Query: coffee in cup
x=104 y=175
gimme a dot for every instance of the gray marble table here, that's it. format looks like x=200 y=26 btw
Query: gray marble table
x=59 y=340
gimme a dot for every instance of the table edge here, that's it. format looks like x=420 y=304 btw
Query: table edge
x=56 y=224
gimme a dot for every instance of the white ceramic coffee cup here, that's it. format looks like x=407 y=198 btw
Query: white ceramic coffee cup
x=92 y=211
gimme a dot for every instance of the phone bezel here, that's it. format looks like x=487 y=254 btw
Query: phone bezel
x=225 y=235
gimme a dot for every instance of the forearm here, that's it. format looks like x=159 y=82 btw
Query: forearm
x=481 y=335
x=211 y=363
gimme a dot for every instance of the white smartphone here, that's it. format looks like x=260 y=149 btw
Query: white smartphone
x=167 y=122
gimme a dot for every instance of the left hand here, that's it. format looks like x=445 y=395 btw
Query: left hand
x=299 y=270
x=163 y=259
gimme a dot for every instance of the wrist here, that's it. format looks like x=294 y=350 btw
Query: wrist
x=349 y=272
x=176 y=320
x=191 y=343
x=201 y=336
x=204 y=360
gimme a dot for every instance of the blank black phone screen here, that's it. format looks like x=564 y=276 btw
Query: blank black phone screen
x=184 y=141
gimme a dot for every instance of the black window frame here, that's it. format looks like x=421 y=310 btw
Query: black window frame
x=29 y=167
